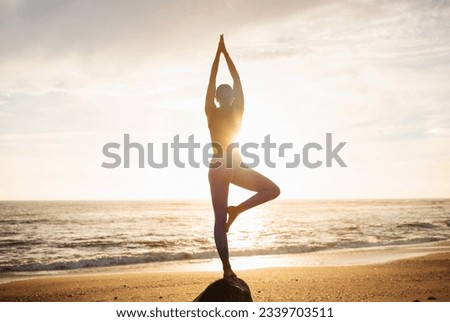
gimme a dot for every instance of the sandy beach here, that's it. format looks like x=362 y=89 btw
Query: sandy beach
x=424 y=278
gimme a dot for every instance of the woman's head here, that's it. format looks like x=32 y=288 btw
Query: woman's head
x=224 y=95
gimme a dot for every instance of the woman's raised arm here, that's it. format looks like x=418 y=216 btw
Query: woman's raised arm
x=237 y=86
x=211 y=92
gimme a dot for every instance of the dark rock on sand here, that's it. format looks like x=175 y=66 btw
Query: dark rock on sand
x=231 y=289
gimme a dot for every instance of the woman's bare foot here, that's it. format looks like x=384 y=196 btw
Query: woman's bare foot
x=228 y=273
x=232 y=215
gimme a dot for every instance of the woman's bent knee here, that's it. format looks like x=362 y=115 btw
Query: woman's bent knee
x=274 y=191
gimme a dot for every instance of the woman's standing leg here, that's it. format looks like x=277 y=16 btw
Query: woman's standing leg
x=219 y=184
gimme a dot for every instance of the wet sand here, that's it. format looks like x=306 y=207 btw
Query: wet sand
x=424 y=278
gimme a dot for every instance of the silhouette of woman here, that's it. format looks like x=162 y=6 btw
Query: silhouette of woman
x=226 y=167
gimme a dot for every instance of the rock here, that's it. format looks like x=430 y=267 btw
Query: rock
x=231 y=289
x=432 y=298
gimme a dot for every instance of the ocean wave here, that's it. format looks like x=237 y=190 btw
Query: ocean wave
x=412 y=241
x=106 y=261
x=425 y=225
x=23 y=221
x=109 y=243
x=152 y=257
x=7 y=243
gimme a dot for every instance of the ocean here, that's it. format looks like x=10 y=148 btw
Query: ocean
x=60 y=235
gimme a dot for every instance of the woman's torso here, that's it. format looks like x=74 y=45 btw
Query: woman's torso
x=224 y=123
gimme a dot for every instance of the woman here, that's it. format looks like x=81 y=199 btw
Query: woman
x=224 y=122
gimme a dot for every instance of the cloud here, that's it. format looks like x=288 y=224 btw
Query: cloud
x=65 y=44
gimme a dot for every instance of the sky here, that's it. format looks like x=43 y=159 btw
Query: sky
x=76 y=75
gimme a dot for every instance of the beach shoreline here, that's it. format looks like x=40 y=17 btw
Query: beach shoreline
x=336 y=257
x=424 y=278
